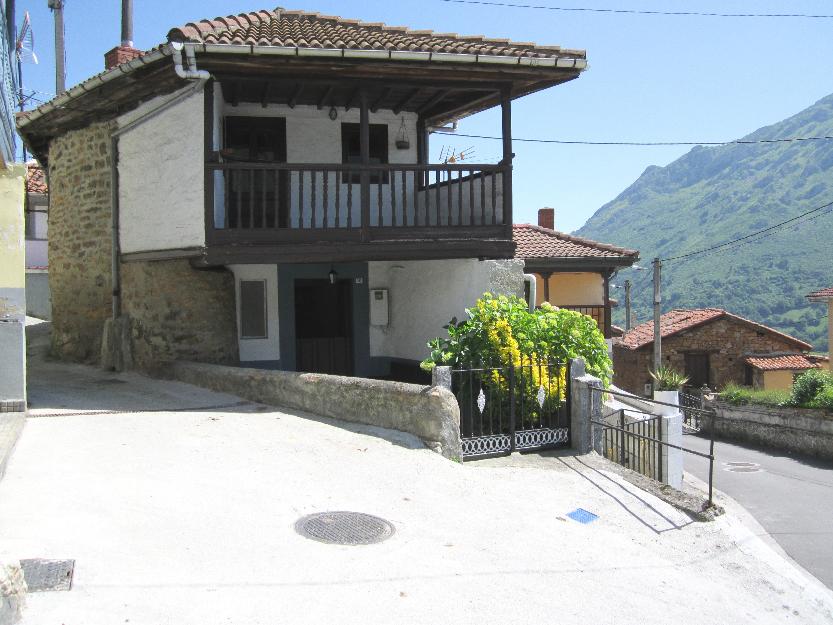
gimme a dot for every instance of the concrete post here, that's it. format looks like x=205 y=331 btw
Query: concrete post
x=585 y=406
x=441 y=376
x=672 y=459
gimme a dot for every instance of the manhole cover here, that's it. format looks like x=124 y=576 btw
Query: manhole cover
x=43 y=575
x=344 y=528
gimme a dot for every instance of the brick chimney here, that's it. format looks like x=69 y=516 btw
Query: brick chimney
x=546 y=218
x=120 y=54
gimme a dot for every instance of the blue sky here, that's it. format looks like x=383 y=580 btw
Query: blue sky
x=651 y=78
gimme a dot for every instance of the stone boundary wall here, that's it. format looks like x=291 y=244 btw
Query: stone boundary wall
x=800 y=430
x=428 y=412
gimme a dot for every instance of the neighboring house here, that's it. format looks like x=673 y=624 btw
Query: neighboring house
x=12 y=274
x=778 y=372
x=268 y=177
x=826 y=295
x=37 y=227
x=710 y=345
x=571 y=272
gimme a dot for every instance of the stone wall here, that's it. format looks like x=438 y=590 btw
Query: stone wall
x=801 y=430
x=726 y=341
x=179 y=313
x=80 y=227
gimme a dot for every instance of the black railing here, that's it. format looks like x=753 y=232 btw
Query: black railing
x=512 y=408
x=274 y=201
x=641 y=453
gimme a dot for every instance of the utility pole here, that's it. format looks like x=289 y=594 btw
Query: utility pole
x=57 y=7
x=627 y=305
x=657 y=312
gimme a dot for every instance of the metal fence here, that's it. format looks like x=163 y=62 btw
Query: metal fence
x=639 y=453
x=513 y=408
x=632 y=439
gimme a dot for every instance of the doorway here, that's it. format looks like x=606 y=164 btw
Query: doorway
x=697 y=369
x=324 y=326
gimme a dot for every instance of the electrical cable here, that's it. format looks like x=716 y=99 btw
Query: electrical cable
x=636 y=11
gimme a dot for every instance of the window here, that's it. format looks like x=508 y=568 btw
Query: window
x=253 y=309
x=351 y=150
x=255 y=139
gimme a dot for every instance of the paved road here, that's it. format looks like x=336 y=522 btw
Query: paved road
x=790 y=496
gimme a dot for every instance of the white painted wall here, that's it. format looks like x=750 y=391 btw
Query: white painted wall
x=425 y=295
x=259 y=349
x=161 y=177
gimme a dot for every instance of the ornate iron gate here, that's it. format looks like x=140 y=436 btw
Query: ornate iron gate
x=513 y=408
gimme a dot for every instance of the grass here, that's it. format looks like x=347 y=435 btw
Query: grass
x=740 y=395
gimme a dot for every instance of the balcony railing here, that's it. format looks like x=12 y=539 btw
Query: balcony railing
x=273 y=202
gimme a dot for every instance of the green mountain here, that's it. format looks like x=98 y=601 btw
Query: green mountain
x=717 y=194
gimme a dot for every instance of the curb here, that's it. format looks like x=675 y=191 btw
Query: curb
x=11 y=426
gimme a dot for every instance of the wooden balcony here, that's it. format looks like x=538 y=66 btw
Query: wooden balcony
x=280 y=212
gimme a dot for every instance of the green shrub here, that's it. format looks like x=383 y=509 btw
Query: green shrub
x=740 y=395
x=824 y=399
x=808 y=385
x=500 y=331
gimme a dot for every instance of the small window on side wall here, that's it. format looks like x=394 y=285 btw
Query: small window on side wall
x=253 y=309
x=351 y=150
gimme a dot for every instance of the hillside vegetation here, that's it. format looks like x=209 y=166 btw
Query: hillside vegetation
x=716 y=194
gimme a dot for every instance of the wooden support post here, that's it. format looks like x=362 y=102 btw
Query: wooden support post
x=546 y=278
x=506 y=123
x=364 y=139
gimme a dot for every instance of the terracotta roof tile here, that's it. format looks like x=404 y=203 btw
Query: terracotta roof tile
x=35 y=179
x=822 y=293
x=782 y=362
x=305 y=29
x=537 y=242
x=676 y=321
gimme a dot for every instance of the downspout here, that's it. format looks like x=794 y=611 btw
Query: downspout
x=190 y=74
x=529 y=278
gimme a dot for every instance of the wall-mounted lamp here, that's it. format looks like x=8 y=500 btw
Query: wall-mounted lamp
x=333 y=113
x=333 y=276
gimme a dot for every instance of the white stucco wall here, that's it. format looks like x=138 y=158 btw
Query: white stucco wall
x=259 y=349
x=161 y=165
x=425 y=295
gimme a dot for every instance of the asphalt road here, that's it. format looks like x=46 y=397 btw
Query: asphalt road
x=789 y=495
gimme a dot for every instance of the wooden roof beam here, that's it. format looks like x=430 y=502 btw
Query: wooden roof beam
x=434 y=100
x=406 y=100
x=264 y=95
x=352 y=98
x=293 y=99
x=378 y=101
x=325 y=98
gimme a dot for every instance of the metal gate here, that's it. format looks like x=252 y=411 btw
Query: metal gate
x=513 y=408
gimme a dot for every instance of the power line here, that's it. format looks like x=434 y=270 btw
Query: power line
x=634 y=11
x=751 y=235
x=641 y=143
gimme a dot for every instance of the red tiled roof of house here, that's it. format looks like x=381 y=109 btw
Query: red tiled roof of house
x=677 y=321
x=822 y=293
x=35 y=179
x=304 y=29
x=537 y=242
x=791 y=362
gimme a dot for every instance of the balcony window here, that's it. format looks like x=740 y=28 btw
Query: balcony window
x=351 y=151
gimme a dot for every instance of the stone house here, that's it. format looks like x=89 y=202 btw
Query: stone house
x=826 y=296
x=571 y=272
x=257 y=190
x=778 y=372
x=710 y=345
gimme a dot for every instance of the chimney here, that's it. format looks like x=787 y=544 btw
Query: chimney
x=125 y=51
x=546 y=218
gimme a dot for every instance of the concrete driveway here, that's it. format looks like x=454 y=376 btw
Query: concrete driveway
x=186 y=516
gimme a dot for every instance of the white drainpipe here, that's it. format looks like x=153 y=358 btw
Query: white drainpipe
x=533 y=290
x=192 y=72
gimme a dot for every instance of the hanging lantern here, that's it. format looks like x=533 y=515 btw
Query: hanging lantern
x=402 y=142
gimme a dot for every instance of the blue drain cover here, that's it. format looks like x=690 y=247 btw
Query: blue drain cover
x=582 y=516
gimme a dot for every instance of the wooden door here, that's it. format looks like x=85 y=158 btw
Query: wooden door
x=324 y=326
x=697 y=369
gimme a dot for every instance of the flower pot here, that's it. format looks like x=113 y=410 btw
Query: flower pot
x=669 y=397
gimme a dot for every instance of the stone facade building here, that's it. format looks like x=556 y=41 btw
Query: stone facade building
x=270 y=202
x=710 y=345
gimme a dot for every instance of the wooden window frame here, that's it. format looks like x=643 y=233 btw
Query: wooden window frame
x=379 y=149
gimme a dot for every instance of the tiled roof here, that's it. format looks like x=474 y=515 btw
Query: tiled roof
x=822 y=294
x=35 y=179
x=792 y=362
x=537 y=242
x=677 y=321
x=304 y=29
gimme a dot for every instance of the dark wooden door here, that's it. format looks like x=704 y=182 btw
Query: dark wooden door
x=324 y=326
x=697 y=369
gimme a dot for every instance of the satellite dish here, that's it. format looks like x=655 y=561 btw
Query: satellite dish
x=25 y=44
